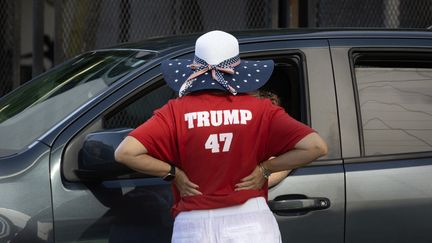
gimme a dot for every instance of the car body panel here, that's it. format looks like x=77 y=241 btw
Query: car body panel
x=388 y=198
x=324 y=178
x=389 y=201
x=25 y=201
x=314 y=181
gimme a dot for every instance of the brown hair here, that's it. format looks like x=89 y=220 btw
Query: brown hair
x=267 y=95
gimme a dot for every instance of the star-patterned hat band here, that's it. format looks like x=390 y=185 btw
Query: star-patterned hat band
x=216 y=65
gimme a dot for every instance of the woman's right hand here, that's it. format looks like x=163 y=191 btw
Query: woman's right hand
x=254 y=181
x=184 y=185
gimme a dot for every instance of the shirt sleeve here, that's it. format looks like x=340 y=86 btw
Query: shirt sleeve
x=157 y=134
x=284 y=132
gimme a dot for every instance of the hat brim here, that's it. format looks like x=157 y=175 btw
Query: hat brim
x=248 y=76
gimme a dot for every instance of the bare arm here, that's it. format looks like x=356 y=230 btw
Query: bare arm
x=277 y=177
x=305 y=151
x=133 y=154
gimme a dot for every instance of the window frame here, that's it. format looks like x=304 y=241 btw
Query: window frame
x=300 y=60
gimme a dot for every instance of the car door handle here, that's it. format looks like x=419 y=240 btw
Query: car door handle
x=298 y=205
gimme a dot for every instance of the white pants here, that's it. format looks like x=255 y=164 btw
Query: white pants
x=250 y=222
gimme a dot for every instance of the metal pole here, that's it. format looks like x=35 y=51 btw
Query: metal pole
x=16 y=73
x=58 y=32
x=303 y=13
x=284 y=14
x=38 y=33
x=294 y=16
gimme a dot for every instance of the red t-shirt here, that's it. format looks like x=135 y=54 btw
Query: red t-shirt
x=218 y=140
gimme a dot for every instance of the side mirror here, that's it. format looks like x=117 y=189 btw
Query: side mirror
x=96 y=158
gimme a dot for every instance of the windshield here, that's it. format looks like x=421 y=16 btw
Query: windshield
x=32 y=109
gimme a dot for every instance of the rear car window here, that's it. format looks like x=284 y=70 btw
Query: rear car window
x=395 y=101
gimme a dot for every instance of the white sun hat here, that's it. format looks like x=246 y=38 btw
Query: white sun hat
x=216 y=65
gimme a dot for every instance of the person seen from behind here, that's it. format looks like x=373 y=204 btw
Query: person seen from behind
x=214 y=142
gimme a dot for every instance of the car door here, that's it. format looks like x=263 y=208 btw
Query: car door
x=126 y=208
x=309 y=203
x=384 y=90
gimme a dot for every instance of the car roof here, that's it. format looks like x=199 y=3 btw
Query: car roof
x=167 y=43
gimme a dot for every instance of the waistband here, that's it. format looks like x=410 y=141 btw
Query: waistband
x=255 y=204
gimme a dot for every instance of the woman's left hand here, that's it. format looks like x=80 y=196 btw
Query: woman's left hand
x=255 y=180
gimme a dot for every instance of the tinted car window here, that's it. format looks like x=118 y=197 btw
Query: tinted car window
x=395 y=100
x=134 y=114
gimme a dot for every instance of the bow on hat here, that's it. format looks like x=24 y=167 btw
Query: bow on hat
x=200 y=66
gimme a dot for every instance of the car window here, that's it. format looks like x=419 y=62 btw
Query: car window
x=34 y=108
x=134 y=113
x=395 y=100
